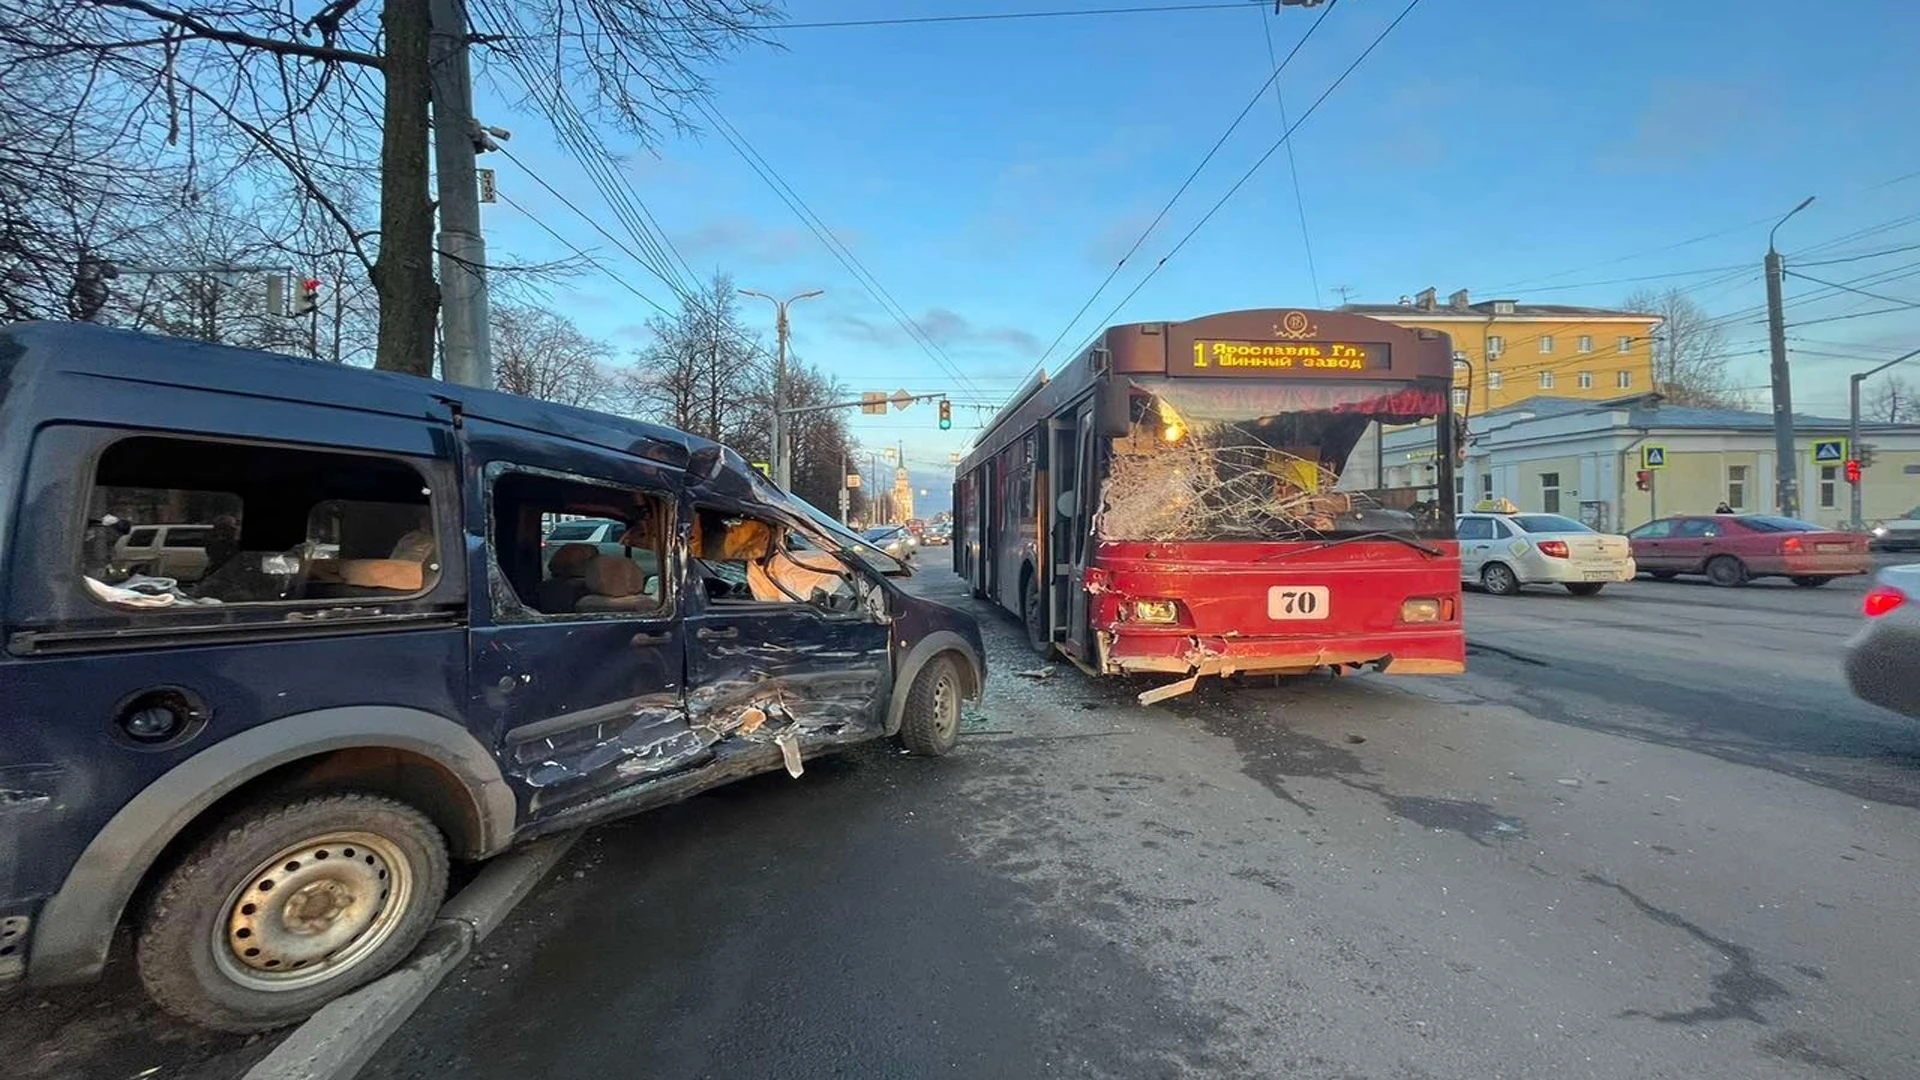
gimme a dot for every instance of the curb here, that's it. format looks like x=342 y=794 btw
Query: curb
x=339 y=1040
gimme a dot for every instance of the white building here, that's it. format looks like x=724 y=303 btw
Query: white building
x=1583 y=459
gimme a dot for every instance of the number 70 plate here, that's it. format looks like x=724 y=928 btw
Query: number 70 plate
x=1297 y=602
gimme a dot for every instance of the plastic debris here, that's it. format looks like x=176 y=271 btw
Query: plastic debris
x=789 y=742
x=1037 y=673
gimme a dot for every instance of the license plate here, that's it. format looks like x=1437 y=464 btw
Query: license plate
x=1297 y=602
x=1835 y=549
x=1600 y=575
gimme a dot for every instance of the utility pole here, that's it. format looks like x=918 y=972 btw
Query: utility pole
x=1853 y=429
x=466 y=355
x=1786 y=489
x=782 y=458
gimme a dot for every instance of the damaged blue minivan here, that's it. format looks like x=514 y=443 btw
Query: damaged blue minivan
x=281 y=639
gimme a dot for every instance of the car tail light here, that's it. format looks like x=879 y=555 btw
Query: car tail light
x=1882 y=599
x=1790 y=546
x=1553 y=548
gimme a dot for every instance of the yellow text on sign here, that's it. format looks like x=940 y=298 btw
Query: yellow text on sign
x=1280 y=357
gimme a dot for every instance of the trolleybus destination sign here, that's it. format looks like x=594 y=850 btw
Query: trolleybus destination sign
x=1291 y=357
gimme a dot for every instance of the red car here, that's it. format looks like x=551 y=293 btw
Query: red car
x=1733 y=549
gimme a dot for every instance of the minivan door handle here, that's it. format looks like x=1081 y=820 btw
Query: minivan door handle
x=642 y=640
x=707 y=633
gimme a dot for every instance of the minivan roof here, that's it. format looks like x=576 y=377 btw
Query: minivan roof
x=37 y=357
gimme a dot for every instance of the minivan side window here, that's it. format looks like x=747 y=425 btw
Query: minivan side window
x=551 y=574
x=246 y=523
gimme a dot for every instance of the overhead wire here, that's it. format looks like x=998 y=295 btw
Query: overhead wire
x=834 y=245
x=1293 y=167
x=1251 y=170
x=1252 y=101
x=597 y=264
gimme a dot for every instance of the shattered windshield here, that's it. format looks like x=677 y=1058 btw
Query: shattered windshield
x=853 y=543
x=1276 y=461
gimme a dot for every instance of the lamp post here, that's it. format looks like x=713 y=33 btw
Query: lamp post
x=782 y=460
x=1786 y=491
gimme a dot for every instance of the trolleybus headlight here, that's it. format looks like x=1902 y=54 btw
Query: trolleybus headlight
x=1420 y=609
x=1156 y=611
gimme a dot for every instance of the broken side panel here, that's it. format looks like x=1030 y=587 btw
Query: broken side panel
x=769 y=672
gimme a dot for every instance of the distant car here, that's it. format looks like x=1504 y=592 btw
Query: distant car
x=892 y=539
x=174 y=551
x=1502 y=552
x=606 y=536
x=937 y=536
x=1898 y=534
x=1883 y=659
x=1733 y=549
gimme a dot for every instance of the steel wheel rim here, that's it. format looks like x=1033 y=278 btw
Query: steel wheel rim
x=946 y=706
x=1499 y=579
x=313 y=911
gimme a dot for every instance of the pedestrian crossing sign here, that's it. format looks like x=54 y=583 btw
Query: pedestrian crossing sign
x=1653 y=457
x=1829 y=451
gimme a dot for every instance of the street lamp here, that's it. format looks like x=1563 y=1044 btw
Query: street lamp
x=1786 y=494
x=782 y=460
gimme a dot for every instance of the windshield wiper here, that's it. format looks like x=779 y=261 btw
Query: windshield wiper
x=1430 y=552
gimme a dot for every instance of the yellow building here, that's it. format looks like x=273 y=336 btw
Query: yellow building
x=1514 y=351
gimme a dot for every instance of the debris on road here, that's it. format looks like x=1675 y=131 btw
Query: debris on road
x=1037 y=673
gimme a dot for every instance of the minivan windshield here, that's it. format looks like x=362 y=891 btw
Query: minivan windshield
x=852 y=543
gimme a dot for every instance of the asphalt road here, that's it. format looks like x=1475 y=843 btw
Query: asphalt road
x=1648 y=835
x=1653 y=838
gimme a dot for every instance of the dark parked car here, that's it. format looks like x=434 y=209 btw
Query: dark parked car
x=266 y=770
x=1733 y=549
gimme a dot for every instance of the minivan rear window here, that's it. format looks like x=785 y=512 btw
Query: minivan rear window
x=250 y=524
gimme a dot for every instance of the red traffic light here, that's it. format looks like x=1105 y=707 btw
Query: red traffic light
x=1643 y=479
x=1853 y=470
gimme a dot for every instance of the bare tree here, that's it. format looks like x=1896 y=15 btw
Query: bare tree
x=542 y=355
x=1890 y=399
x=705 y=373
x=331 y=103
x=1689 y=361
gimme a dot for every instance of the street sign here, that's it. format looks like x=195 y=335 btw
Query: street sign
x=889 y=453
x=487 y=191
x=1829 y=451
x=1653 y=457
x=901 y=399
x=874 y=403
x=953 y=458
x=853 y=479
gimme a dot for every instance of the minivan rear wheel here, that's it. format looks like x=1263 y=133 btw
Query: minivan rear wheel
x=288 y=905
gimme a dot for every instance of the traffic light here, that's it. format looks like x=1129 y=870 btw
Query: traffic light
x=308 y=300
x=1643 y=479
x=946 y=414
x=1864 y=455
x=1853 y=470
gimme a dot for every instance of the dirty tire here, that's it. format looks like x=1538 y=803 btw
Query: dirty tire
x=1034 y=617
x=189 y=940
x=931 y=723
x=1811 y=581
x=1585 y=588
x=1499 y=579
x=1726 y=571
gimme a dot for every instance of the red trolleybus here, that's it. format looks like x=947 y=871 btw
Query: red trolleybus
x=1210 y=497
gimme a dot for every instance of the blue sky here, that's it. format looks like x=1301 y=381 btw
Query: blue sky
x=989 y=174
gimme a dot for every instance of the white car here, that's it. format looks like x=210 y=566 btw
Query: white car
x=1883 y=659
x=1502 y=552
x=1899 y=534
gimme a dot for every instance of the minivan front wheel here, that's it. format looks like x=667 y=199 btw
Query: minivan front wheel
x=931 y=723
x=289 y=905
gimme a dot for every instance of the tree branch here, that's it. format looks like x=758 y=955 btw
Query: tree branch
x=201 y=29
